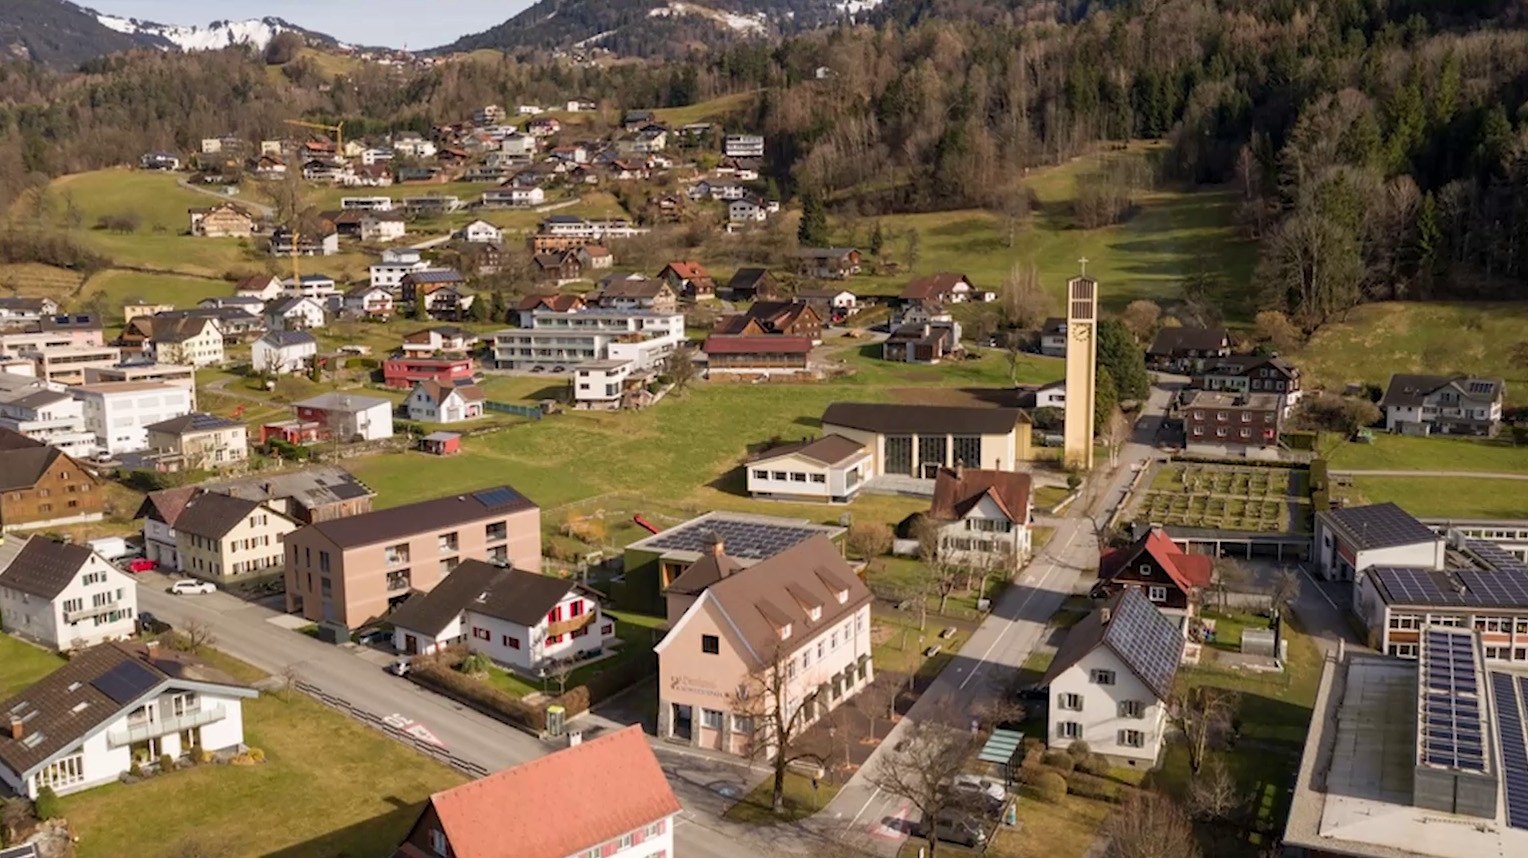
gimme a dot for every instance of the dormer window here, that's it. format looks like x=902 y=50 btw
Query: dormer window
x=842 y=596
x=785 y=632
x=814 y=614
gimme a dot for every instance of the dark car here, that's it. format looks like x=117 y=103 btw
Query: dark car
x=954 y=826
x=150 y=624
x=1033 y=694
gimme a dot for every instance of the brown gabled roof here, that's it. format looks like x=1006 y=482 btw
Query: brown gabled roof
x=44 y=567
x=560 y=302
x=745 y=345
x=22 y=467
x=166 y=505
x=180 y=330
x=544 y=808
x=827 y=450
x=701 y=574
x=10 y=439
x=934 y=286
x=776 y=316
x=421 y=517
x=620 y=287
x=213 y=514
x=86 y=694
x=430 y=613
x=957 y=491
x=438 y=392
x=760 y=600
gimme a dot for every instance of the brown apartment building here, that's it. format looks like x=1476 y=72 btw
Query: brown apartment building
x=350 y=571
x=42 y=487
x=1232 y=425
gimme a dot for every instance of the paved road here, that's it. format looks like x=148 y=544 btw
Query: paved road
x=1003 y=642
x=1491 y=475
x=261 y=208
x=356 y=675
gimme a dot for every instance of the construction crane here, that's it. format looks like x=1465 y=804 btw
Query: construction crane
x=337 y=130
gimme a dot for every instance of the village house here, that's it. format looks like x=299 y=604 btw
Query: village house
x=634 y=292
x=265 y=287
x=834 y=305
x=831 y=468
x=751 y=284
x=17 y=310
x=120 y=412
x=1232 y=425
x=555 y=269
x=917 y=440
x=295 y=314
x=1053 y=337
x=198 y=441
x=1253 y=374
x=1168 y=577
x=980 y=518
x=525 y=621
x=750 y=209
x=689 y=280
x=612 y=384
x=513 y=197
x=774 y=318
x=320 y=287
x=1443 y=404
x=480 y=232
x=286 y=243
x=559 y=341
x=68 y=364
x=40 y=486
x=546 y=803
x=405 y=371
x=112 y=707
x=439 y=339
x=367 y=302
x=191 y=341
x=559 y=302
x=1111 y=682
x=63 y=595
x=389 y=271
x=1187 y=350
x=943 y=288
x=800 y=619
x=335 y=416
x=349 y=571
x=828 y=263
x=33 y=408
x=928 y=341
x=248 y=304
x=182 y=376
x=595 y=256
x=433 y=402
x=224 y=220
x=220 y=536
x=443 y=291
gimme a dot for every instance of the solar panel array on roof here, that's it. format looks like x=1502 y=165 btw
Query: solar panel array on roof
x=1450 y=732
x=1514 y=750
x=1495 y=556
x=1146 y=639
x=1380 y=526
x=126 y=682
x=497 y=497
x=1415 y=586
x=754 y=540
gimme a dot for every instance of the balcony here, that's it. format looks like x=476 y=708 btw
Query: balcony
x=568 y=626
x=88 y=613
x=142 y=730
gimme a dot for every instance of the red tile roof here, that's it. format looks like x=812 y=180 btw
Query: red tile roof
x=544 y=808
x=689 y=270
x=1188 y=571
x=771 y=344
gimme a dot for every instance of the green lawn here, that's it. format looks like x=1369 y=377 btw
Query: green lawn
x=1064 y=830
x=1376 y=340
x=117 y=287
x=801 y=801
x=1407 y=453
x=1176 y=232
x=1446 y=497
x=155 y=198
x=714 y=110
x=22 y=664
x=637 y=632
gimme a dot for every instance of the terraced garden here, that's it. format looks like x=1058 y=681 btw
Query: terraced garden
x=1227 y=497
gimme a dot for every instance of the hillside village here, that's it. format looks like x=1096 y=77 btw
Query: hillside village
x=550 y=463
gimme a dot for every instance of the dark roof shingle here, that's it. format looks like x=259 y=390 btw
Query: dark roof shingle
x=380 y=525
x=44 y=567
x=895 y=419
x=1383 y=525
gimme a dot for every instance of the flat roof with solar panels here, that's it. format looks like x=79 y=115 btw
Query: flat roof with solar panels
x=1486 y=576
x=745 y=537
x=1454 y=772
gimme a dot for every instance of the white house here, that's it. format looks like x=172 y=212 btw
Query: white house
x=514 y=197
x=433 y=402
x=348 y=415
x=743 y=146
x=45 y=413
x=830 y=468
x=522 y=620
x=747 y=210
x=1446 y=404
x=388 y=273
x=546 y=804
x=411 y=145
x=112 y=705
x=282 y=352
x=1051 y=395
x=295 y=314
x=265 y=287
x=120 y=412
x=63 y=595
x=517 y=145
x=1112 y=678
x=368 y=302
x=983 y=517
x=319 y=287
x=383 y=227
x=481 y=232
x=1347 y=541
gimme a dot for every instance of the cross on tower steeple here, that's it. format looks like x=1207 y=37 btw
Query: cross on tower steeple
x=1083 y=261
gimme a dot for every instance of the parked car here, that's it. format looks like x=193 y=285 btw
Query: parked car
x=150 y=624
x=190 y=587
x=141 y=564
x=375 y=637
x=977 y=791
x=399 y=667
x=953 y=826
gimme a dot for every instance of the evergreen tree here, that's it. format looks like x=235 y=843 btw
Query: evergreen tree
x=813 y=231
x=1105 y=398
x=1123 y=360
x=877 y=239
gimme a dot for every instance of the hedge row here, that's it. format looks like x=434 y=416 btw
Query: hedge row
x=440 y=674
x=608 y=683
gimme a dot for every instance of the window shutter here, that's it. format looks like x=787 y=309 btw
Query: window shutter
x=1119 y=738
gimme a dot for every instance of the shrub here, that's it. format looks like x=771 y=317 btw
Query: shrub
x=437 y=674
x=1087 y=786
x=1079 y=749
x=201 y=756
x=473 y=665
x=136 y=769
x=46 y=805
x=1094 y=764
x=1073 y=480
x=257 y=755
x=166 y=763
x=1059 y=760
x=1052 y=787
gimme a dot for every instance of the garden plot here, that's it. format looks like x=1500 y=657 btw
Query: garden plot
x=1226 y=497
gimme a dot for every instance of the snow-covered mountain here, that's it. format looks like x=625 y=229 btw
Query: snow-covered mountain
x=257 y=32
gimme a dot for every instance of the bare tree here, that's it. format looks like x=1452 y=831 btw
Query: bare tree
x=198 y=634
x=1202 y=714
x=1150 y=825
x=869 y=539
x=878 y=701
x=1231 y=576
x=289 y=680
x=931 y=756
x=1013 y=352
x=1141 y=318
x=681 y=369
x=1116 y=432
x=1213 y=795
x=559 y=671
x=943 y=575
x=1022 y=300
x=778 y=706
x=1284 y=590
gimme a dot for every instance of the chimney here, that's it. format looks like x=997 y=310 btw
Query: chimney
x=1103 y=614
x=960 y=469
x=715 y=545
x=151 y=647
x=18 y=729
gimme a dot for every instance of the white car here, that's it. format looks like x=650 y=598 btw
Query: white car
x=972 y=787
x=189 y=587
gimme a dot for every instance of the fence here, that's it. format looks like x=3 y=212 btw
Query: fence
x=431 y=750
x=532 y=412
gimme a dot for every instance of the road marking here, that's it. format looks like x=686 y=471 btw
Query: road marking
x=413 y=728
x=1022 y=605
x=866 y=806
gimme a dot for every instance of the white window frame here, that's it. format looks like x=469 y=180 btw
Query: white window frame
x=1156 y=594
x=1131 y=739
x=1068 y=730
x=1101 y=676
x=1069 y=702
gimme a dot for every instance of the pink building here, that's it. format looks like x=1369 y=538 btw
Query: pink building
x=403 y=372
x=800 y=619
x=354 y=570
